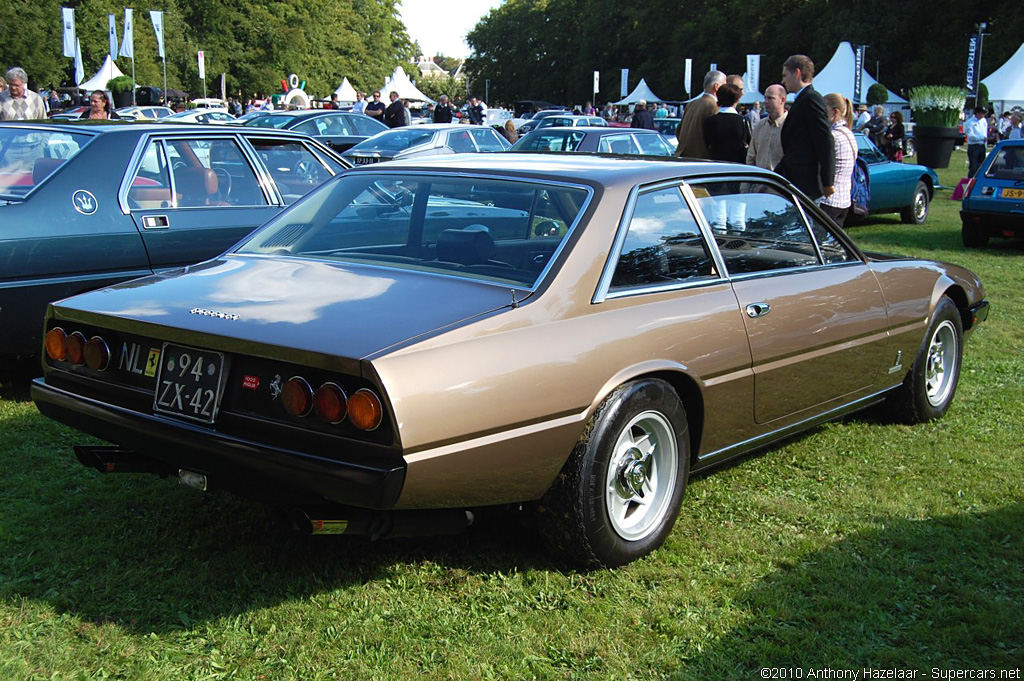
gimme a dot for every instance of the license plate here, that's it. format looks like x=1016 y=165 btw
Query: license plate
x=189 y=383
x=1009 y=193
x=363 y=160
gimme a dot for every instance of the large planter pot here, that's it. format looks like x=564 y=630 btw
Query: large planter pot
x=934 y=145
x=125 y=99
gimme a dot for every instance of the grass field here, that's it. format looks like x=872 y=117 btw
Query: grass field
x=858 y=545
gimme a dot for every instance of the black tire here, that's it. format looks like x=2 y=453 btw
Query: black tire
x=928 y=389
x=973 y=237
x=617 y=497
x=917 y=212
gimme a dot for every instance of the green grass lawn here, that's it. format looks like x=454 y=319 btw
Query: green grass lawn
x=860 y=544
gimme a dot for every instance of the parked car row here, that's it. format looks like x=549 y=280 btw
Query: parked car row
x=396 y=348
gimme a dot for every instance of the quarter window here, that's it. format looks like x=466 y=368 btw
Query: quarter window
x=756 y=226
x=663 y=243
x=295 y=168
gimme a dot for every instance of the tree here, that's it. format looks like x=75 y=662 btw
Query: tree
x=877 y=94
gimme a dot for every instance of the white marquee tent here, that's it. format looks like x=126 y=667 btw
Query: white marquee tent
x=346 y=93
x=99 y=79
x=641 y=91
x=1006 y=84
x=399 y=82
x=838 y=75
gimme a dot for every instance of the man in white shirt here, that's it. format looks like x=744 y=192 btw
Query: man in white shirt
x=862 y=118
x=976 y=129
x=765 y=150
x=360 y=104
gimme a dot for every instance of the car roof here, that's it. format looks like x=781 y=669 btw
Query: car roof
x=585 y=168
x=590 y=130
x=140 y=128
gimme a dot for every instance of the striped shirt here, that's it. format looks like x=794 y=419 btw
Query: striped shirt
x=846 y=156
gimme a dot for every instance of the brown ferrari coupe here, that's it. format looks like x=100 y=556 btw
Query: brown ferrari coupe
x=570 y=335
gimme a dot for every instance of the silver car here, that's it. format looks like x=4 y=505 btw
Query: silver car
x=431 y=139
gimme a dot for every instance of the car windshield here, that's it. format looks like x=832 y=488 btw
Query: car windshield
x=1008 y=164
x=474 y=227
x=562 y=140
x=395 y=141
x=269 y=121
x=28 y=156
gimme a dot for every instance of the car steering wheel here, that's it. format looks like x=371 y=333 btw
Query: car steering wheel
x=223 y=183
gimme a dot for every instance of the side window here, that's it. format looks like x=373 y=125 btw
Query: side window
x=832 y=249
x=757 y=227
x=486 y=140
x=212 y=172
x=295 y=169
x=236 y=180
x=653 y=145
x=151 y=186
x=663 y=243
x=617 y=144
x=311 y=127
x=868 y=151
x=460 y=141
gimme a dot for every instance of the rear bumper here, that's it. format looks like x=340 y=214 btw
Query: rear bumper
x=993 y=224
x=251 y=468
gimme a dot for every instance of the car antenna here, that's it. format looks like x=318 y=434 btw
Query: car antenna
x=515 y=303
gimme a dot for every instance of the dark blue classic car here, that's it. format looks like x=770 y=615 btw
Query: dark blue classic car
x=84 y=206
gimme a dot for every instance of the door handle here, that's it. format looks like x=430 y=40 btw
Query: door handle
x=155 y=222
x=755 y=310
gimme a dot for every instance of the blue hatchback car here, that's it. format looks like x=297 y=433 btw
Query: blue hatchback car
x=993 y=204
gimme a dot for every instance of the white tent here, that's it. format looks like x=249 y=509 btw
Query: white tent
x=346 y=93
x=641 y=91
x=838 y=74
x=100 y=79
x=399 y=82
x=1006 y=84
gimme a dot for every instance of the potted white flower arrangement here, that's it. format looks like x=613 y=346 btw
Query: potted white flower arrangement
x=937 y=110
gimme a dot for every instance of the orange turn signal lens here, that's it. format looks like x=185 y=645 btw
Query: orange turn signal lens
x=330 y=403
x=297 y=396
x=74 y=347
x=97 y=354
x=364 y=410
x=55 y=339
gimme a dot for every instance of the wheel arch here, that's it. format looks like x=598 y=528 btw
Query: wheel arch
x=959 y=297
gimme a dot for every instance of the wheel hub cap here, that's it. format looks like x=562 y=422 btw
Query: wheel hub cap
x=634 y=470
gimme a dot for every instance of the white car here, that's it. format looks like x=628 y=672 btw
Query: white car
x=200 y=116
x=145 y=113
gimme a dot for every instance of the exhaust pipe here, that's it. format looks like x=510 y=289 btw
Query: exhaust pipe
x=381 y=524
x=118 y=460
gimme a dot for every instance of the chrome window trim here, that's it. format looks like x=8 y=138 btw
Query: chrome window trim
x=603 y=291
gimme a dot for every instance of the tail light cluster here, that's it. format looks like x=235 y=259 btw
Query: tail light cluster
x=76 y=349
x=331 y=405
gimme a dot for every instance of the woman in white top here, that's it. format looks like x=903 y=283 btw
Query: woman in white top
x=840 y=115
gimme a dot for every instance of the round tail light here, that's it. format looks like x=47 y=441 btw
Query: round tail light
x=74 y=347
x=97 y=354
x=297 y=396
x=55 y=344
x=330 y=403
x=364 y=410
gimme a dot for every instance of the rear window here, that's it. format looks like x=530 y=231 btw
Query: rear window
x=28 y=156
x=1007 y=164
x=396 y=141
x=481 y=228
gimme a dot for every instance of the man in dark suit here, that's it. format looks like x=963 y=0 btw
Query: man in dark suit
x=808 y=153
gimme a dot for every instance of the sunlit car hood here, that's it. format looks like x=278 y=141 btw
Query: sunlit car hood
x=345 y=310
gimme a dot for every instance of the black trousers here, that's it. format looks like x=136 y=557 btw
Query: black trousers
x=975 y=155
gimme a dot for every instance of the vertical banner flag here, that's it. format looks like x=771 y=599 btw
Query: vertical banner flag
x=973 y=55
x=858 y=73
x=128 y=39
x=689 y=74
x=753 y=73
x=624 y=84
x=158 y=25
x=202 y=66
x=597 y=80
x=68 y=19
x=714 y=66
x=79 y=69
x=113 y=36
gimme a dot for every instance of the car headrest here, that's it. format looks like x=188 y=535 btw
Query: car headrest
x=44 y=167
x=196 y=185
x=472 y=245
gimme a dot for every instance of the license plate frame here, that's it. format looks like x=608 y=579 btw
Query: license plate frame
x=184 y=391
x=1012 y=193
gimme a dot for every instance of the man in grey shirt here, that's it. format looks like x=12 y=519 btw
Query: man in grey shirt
x=17 y=102
x=765 y=150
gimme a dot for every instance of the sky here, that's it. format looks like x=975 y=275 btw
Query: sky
x=440 y=27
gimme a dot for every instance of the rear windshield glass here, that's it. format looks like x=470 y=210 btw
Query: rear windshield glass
x=28 y=156
x=476 y=227
x=1008 y=164
x=396 y=141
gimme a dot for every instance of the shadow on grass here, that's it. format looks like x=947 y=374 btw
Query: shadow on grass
x=945 y=592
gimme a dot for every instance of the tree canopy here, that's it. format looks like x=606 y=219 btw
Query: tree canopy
x=255 y=43
x=549 y=49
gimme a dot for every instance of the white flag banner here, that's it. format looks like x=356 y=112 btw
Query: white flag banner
x=597 y=80
x=202 y=66
x=158 y=26
x=753 y=79
x=128 y=39
x=68 y=19
x=79 y=69
x=112 y=30
x=714 y=66
x=623 y=86
x=688 y=77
